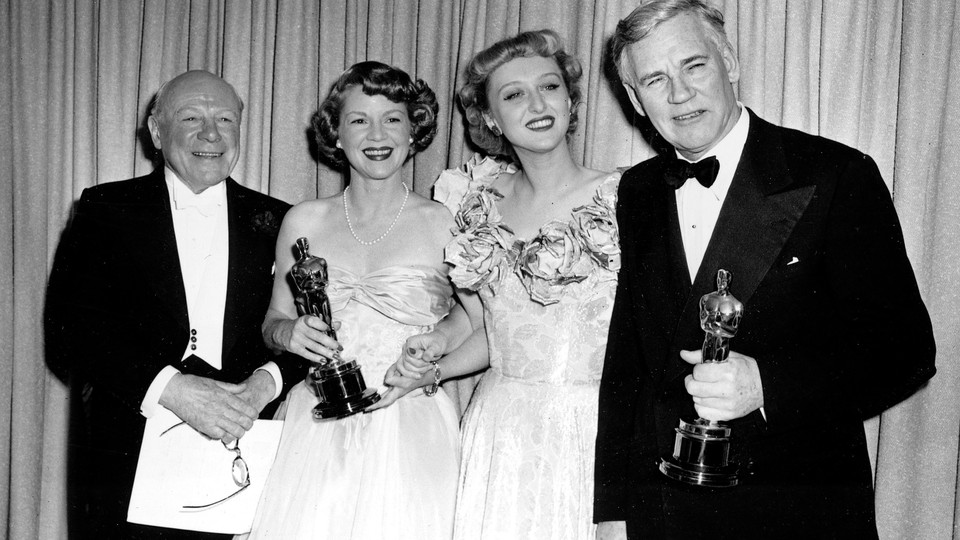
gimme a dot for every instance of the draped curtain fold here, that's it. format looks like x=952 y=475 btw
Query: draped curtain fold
x=883 y=77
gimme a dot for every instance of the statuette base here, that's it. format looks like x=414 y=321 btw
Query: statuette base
x=341 y=390
x=701 y=455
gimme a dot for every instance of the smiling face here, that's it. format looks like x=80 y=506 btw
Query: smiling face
x=197 y=127
x=374 y=134
x=529 y=103
x=679 y=77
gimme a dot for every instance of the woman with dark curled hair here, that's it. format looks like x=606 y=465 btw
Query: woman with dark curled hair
x=537 y=240
x=374 y=78
x=390 y=472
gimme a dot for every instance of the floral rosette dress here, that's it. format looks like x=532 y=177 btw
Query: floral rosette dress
x=527 y=436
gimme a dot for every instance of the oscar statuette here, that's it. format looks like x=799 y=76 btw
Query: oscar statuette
x=338 y=384
x=701 y=450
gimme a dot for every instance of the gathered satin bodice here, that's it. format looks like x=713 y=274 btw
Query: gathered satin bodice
x=378 y=311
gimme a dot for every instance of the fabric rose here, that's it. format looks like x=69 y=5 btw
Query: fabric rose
x=607 y=195
x=478 y=208
x=453 y=184
x=596 y=226
x=479 y=168
x=450 y=187
x=551 y=260
x=480 y=257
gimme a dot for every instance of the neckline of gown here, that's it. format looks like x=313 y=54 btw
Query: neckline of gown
x=509 y=230
x=422 y=269
x=416 y=295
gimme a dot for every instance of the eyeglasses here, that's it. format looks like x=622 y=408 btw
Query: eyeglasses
x=239 y=471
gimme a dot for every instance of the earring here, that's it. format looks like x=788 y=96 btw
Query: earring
x=338 y=144
x=491 y=125
x=411 y=140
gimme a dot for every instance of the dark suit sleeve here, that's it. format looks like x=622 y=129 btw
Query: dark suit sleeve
x=892 y=349
x=619 y=389
x=90 y=326
x=883 y=339
x=293 y=368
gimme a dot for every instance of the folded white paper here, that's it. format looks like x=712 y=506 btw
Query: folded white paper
x=184 y=468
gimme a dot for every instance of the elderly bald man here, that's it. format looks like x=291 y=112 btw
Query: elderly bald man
x=156 y=299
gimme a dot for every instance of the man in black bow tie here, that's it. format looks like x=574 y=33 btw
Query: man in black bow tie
x=834 y=330
x=156 y=299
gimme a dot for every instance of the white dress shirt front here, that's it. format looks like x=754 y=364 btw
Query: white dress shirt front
x=699 y=207
x=201 y=226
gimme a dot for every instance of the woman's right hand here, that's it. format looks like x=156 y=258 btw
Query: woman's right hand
x=397 y=386
x=307 y=336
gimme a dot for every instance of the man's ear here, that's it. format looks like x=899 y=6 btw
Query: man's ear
x=634 y=98
x=730 y=62
x=154 y=127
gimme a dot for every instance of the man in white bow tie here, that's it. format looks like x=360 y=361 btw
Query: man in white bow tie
x=156 y=299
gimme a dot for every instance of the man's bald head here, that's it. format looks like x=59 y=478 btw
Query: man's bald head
x=195 y=123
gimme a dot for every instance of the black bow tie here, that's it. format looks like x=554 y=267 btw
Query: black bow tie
x=678 y=171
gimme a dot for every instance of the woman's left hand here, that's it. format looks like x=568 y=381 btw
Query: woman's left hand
x=418 y=352
x=398 y=386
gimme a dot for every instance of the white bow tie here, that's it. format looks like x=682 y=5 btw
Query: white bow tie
x=205 y=205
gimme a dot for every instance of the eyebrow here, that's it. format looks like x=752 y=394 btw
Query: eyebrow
x=399 y=110
x=517 y=81
x=196 y=108
x=695 y=58
x=683 y=63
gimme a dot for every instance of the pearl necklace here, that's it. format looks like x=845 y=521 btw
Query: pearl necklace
x=346 y=213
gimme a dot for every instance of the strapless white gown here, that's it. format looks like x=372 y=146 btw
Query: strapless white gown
x=387 y=474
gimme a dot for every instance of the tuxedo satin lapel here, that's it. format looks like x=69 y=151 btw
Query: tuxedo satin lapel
x=237 y=307
x=760 y=211
x=155 y=243
x=676 y=256
x=662 y=273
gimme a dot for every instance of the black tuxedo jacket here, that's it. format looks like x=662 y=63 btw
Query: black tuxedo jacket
x=832 y=315
x=117 y=312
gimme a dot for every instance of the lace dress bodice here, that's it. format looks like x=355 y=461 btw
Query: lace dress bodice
x=528 y=434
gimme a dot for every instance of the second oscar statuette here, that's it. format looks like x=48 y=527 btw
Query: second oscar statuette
x=338 y=384
x=701 y=450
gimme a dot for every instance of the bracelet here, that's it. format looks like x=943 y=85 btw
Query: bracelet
x=432 y=389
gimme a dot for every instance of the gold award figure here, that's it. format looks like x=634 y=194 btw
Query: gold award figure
x=701 y=451
x=338 y=384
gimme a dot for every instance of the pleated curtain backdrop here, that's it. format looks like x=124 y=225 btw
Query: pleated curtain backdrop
x=78 y=76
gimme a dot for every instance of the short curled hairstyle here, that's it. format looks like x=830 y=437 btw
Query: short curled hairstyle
x=646 y=18
x=473 y=95
x=376 y=78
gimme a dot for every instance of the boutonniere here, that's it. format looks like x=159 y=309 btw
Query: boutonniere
x=265 y=222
